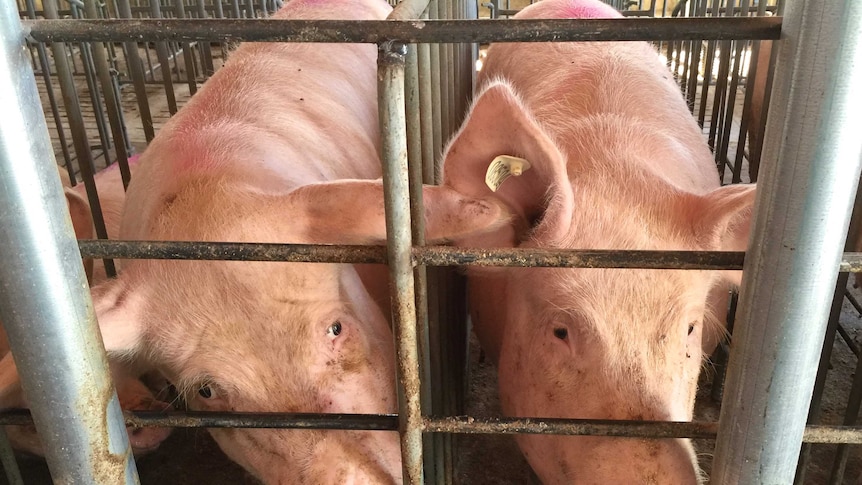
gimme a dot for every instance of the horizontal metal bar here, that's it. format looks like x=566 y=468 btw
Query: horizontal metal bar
x=293 y=253
x=427 y=256
x=460 y=424
x=419 y=31
x=204 y=419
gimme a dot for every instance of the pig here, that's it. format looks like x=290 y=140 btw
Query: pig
x=132 y=392
x=609 y=168
x=281 y=145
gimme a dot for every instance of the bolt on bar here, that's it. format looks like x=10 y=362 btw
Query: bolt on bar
x=45 y=302
x=805 y=194
x=407 y=31
x=396 y=193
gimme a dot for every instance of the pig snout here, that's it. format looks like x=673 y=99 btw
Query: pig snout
x=601 y=460
x=134 y=396
x=342 y=462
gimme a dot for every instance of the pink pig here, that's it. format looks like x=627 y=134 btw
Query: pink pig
x=281 y=146
x=133 y=394
x=617 y=162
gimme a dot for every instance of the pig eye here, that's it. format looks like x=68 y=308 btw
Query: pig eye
x=334 y=330
x=206 y=392
x=561 y=333
x=690 y=328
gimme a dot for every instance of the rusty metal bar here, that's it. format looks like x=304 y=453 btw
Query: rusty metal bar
x=826 y=434
x=136 y=72
x=800 y=224
x=45 y=303
x=396 y=192
x=428 y=256
x=415 y=31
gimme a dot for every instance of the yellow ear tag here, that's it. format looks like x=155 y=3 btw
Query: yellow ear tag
x=502 y=168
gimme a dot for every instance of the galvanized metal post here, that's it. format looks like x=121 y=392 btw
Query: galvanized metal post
x=45 y=304
x=811 y=171
x=390 y=82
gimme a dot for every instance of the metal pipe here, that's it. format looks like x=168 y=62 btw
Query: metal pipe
x=7 y=457
x=112 y=104
x=825 y=434
x=78 y=130
x=164 y=62
x=136 y=71
x=45 y=303
x=407 y=31
x=429 y=256
x=800 y=223
x=396 y=193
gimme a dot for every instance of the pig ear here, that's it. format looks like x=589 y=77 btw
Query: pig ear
x=352 y=212
x=499 y=124
x=723 y=220
x=82 y=221
x=120 y=312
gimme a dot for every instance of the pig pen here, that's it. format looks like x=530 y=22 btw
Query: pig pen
x=462 y=458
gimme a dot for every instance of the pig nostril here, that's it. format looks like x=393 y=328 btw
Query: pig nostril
x=561 y=333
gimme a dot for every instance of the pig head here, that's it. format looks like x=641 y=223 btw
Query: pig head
x=132 y=393
x=279 y=146
x=616 y=162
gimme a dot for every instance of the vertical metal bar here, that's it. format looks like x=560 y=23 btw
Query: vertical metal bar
x=45 y=304
x=724 y=141
x=851 y=414
x=7 y=457
x=206 y=51
x=52 y=99
x=80 y=140
x=188 y=56
x=164 y=61
x=436 y=89
x=803 y=207
x=136 y=71
x=425 y=111
x=707 y=72
x=112 y=104
x=445 y=83
x=390 y=78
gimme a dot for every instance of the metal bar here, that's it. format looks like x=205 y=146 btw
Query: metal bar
x=7 y=457
x=827 y=434
x=806 y=199
x=112 y=104
x=45 y=304
x=188 y=55
x=428 y=256
x=396 y=192
x=848 y=339
x=80 y=139
x=136 y=71
x=408 y=31
x=164 y=62
x=851 y=414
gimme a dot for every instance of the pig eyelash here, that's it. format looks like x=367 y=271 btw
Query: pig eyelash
x=334 y=330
